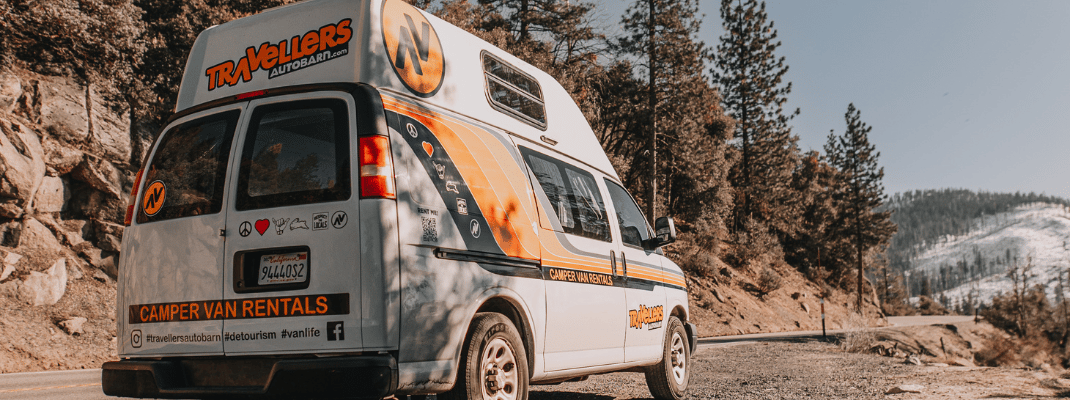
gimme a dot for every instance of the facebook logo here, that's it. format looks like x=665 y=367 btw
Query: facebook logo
x=335 y=331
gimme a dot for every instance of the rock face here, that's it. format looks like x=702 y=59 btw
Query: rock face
x=10 y=91
x=60 y=159
x=36 y=236
x=22 y=159
x=99 y=175
x=52 y=195
x=110 y=136
x=41 y=289
x=64 y=175
x=9 y=260
x=62 y=110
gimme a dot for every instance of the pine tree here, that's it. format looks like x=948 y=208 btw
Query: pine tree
x=816 y=235
x=861 y=192
x=95 y=41
x=662 y=36
x=750 y=78
x=171 y=27
x=677 y=102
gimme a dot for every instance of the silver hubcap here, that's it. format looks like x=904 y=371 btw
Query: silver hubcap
x=498 y=371
x=679 y=359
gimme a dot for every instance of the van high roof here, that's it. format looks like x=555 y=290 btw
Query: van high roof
x=343 y=41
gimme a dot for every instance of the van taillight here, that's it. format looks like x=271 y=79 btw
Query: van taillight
x=376 y=168
x=133 y=199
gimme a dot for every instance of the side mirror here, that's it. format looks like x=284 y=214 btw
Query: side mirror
x=664 y=233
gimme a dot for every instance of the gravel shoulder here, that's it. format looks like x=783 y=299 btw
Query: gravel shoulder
x=813 y=369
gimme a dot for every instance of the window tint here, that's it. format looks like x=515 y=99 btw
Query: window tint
x=633 y=227
x=492 y=65
x=514 y=92
x=295 y=153
x=186 y=175
x=573 y=195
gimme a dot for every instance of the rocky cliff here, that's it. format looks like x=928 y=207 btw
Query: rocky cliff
x=65 y=175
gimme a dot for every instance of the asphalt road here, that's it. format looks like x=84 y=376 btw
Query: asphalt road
x=79 y=384
x=85 y=384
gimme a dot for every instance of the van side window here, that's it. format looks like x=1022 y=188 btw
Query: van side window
x=191 y=163
x=513 y=92
x=573 y=194
x=633 y=227
x=295 y=153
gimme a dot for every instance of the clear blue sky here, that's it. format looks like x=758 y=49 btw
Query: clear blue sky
x=964 y=94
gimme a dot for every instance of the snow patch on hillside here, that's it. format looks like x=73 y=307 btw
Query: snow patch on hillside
x=1040 y=232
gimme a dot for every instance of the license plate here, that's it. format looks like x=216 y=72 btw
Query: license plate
x=283 y=268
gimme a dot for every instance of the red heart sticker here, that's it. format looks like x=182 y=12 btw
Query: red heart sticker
x=429 y=149
x=262 y=225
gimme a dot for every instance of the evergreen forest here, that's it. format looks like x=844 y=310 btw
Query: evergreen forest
x=927 y=218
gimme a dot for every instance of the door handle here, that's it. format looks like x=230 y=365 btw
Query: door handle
x=624 y=264
x=613 y=261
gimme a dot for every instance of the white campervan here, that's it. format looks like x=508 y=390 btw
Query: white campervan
x=357 y=199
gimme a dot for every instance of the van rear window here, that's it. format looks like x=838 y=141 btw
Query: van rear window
x=295 y=153
x=186 y=175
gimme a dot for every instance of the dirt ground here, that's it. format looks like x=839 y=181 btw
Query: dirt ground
x=31 y=340
x=813 y=369
x=724 y=303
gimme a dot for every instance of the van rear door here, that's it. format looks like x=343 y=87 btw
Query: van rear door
x=292 y=260
x=173 y=252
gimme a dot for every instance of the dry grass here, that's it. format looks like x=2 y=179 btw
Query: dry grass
x=857 y=338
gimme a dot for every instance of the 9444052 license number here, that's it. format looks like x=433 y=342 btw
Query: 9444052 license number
x=283 y=268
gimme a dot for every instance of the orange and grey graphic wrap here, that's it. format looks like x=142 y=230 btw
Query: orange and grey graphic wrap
x=471 y=165
x=412 y=48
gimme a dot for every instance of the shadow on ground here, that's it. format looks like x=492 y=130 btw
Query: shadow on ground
x=539 y=395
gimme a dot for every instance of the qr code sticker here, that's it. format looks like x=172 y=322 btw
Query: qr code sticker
x=430 y=225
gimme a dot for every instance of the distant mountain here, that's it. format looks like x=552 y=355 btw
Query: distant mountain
x=958 y=244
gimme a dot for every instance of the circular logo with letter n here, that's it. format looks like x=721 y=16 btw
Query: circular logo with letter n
x=154 y=197
x=412 y=48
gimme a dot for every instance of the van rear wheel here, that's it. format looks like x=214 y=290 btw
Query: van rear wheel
x=668 y=379
x=494 y=362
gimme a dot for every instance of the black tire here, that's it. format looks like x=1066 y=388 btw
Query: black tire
x=668 y=379
x=492 y=345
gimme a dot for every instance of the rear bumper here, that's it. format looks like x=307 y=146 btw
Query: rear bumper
x=374 y=376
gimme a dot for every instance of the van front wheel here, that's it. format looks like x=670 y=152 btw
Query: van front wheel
x=668 y=379
x=493 y=360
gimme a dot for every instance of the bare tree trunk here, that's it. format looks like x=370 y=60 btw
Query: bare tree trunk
x=861 y=268
x=524 y=18
x=652 y=196
x=884 y=298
